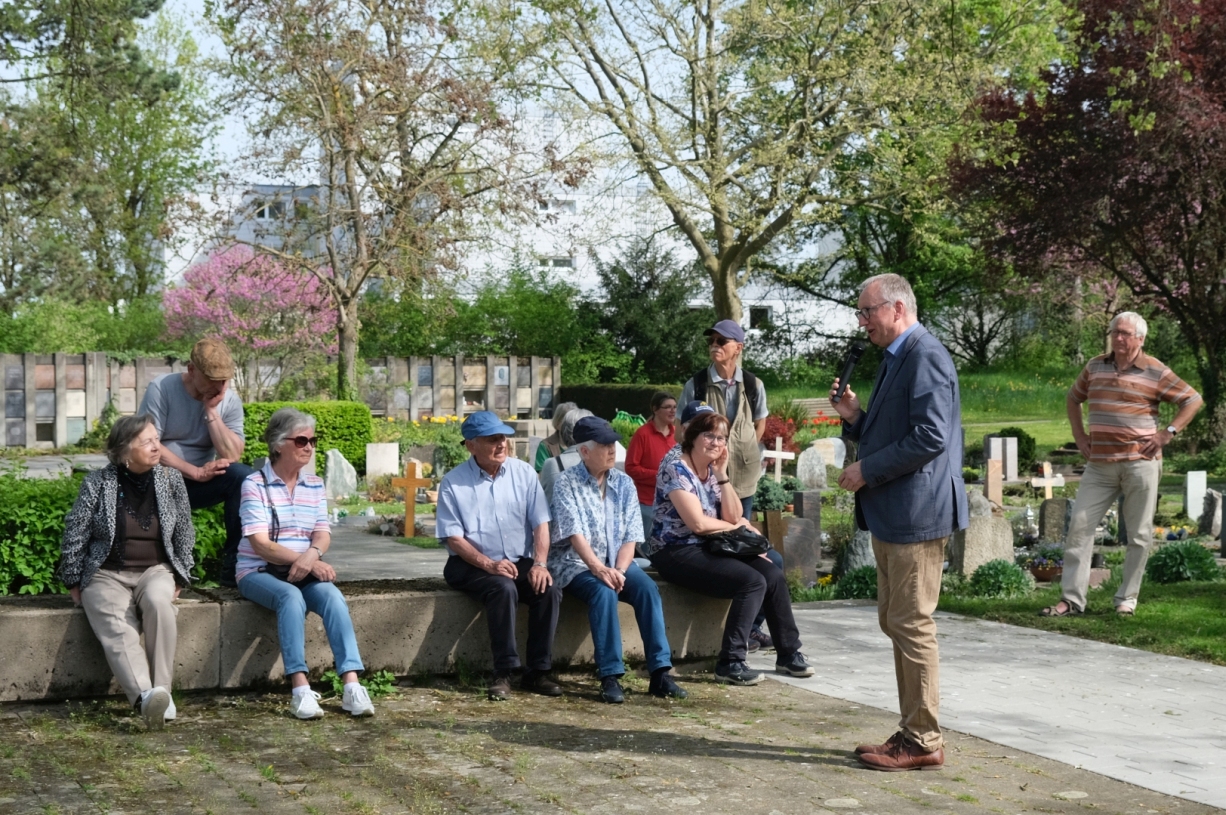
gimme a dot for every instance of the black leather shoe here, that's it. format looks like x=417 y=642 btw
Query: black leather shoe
x=500 y=689
x=611 y=690
x=539 y=682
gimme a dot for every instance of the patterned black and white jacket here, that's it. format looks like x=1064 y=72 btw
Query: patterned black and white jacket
x=89 y=530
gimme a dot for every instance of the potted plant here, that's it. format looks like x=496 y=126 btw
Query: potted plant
x=1046 y=564
x=770 y=499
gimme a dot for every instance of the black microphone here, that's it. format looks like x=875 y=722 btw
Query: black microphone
x=853 y=356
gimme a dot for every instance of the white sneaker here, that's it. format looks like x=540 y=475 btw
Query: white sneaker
x=153 y=704
x=306 y=705
x=357 y=701
x=171 y=713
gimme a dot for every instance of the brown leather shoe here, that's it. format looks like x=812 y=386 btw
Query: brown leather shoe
x=500 y=689
x=539 y=682
x=903 y=756
x=880 y=748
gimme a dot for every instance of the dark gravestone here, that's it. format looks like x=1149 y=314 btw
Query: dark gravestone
x=1211 y=515
x=808 y=504
x=1054 y=516
x=802 y=548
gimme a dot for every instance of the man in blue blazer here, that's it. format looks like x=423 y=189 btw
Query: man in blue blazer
x=910 y=495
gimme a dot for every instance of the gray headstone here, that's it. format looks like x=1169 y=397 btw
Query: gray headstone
x=1211 y=515
x=382 y=459
x=986 y=538
x=1054 y=517
x=1005 y=450
x=802 y=547
x=341 y=479
x=979 y=505
x=859 y=552
x=834 y=451
x=1194 y=485
x=807 y=504
x=811 y=469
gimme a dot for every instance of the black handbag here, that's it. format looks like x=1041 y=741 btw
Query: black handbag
x=741 y=542
x=280 y=570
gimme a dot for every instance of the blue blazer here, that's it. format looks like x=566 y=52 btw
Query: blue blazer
x=911 y=447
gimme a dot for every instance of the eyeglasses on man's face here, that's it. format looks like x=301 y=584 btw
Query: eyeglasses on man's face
x=863 y=313
x=716 y=339
x=1122 y=334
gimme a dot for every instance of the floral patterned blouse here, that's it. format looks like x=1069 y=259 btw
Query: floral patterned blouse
x=667 y=528
x=608 y=523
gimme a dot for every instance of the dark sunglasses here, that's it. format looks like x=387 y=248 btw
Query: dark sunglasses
x=715 y=339
x=303 y=441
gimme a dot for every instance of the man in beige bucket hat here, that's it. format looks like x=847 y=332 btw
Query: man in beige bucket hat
x=200 y=421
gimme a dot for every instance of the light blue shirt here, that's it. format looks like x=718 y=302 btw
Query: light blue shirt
x=893 y=347
x=496 y=515
x=607 y=523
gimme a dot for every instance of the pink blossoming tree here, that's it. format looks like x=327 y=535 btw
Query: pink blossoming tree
x=263 y=309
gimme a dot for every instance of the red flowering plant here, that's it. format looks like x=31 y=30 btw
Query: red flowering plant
x=780 y=428
x=820 y=426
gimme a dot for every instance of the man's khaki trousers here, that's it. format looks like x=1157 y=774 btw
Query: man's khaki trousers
x=119 y=605
x=908 y=586
x=1102 y=483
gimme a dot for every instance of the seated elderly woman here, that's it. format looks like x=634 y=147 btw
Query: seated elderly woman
x=567 y=456
x=552 y=444
x=280 y=566
x=694 y=498
x=596 y=524
x=126 y=553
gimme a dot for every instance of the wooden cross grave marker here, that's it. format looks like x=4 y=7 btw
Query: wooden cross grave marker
x=1047 y=481
x=779 y=456
x=411 y=481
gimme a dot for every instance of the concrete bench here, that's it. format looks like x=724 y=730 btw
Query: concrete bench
x=48 y=651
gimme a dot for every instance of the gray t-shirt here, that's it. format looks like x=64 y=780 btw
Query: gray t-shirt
x=180 y=418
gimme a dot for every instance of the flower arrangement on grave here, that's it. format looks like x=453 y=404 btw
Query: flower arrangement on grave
x=1043 y=558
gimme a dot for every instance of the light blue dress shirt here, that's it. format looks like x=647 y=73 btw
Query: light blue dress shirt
x=496 y=515
x=608 y=523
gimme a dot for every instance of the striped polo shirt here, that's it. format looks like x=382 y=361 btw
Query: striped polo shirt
x=1124 y=404
x=300 y=516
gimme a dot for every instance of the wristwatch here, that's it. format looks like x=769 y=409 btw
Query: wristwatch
x=1171 y=429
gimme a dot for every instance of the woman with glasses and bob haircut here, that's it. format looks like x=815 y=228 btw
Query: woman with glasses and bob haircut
x=126 y=553
x=280 y=566
x=694 y=497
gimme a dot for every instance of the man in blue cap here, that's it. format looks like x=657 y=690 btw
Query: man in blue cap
x=596 y=526
x=494 y=520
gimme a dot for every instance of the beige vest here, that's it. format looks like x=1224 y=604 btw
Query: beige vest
x=744 y=455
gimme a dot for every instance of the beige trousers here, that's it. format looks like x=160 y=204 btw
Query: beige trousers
x=908 y=586
x=119 y=605
x=1100 y=486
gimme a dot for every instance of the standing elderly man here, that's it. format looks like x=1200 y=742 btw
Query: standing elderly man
x=595 y=528
x=739 y=396
x=1124 y=454
x=200 y=423
x=911 y=497
x=494 y=520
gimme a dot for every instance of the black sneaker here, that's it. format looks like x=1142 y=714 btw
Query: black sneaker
x=763 y=640
x=665 y=687
x=794 y=665
x=611 y=690
x=737 y=673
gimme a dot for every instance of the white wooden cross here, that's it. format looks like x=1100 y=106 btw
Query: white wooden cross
x=779 y=456
x=1048 y=480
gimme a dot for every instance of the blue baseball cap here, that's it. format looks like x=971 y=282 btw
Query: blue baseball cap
x=484 y=423
x=594 y=428
x=694 y=408
x=727 y=328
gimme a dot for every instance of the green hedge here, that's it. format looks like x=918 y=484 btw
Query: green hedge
x=343 y=425
x=32 y=513
x=606 y=400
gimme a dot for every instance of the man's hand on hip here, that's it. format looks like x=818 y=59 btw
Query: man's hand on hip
x=851 y=479
x=1151 y=448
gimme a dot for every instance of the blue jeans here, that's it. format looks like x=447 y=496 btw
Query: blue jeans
x=225 y=487
x=641 y=593
x=291 y=605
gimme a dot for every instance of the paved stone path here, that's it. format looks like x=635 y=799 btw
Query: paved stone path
x=1155 y=721
x=359 y=555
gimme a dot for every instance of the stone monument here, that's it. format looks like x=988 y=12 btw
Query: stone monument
x=382 y=459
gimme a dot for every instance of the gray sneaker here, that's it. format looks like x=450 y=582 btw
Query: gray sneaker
x=737 y=673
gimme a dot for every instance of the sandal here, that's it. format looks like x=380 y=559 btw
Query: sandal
x=1054 y=611
x=1125 y=611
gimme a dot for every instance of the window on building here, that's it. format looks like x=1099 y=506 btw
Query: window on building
x=561 y=262
x=759 y=316
x=269 y=210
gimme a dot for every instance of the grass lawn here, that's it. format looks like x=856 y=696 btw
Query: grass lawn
x=421 y=543
x=1179 y=619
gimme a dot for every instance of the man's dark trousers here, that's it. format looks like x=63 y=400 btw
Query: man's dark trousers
x=501 y=597
x=226 y=487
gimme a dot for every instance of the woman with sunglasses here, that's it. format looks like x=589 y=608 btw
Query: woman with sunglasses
x=126 y=553
x=280 y=566
x=694 y=497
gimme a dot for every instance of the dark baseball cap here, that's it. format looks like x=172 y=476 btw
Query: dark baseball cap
x=727 y=328
x=594 y=428
x=692 y=409
x=484 y=423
